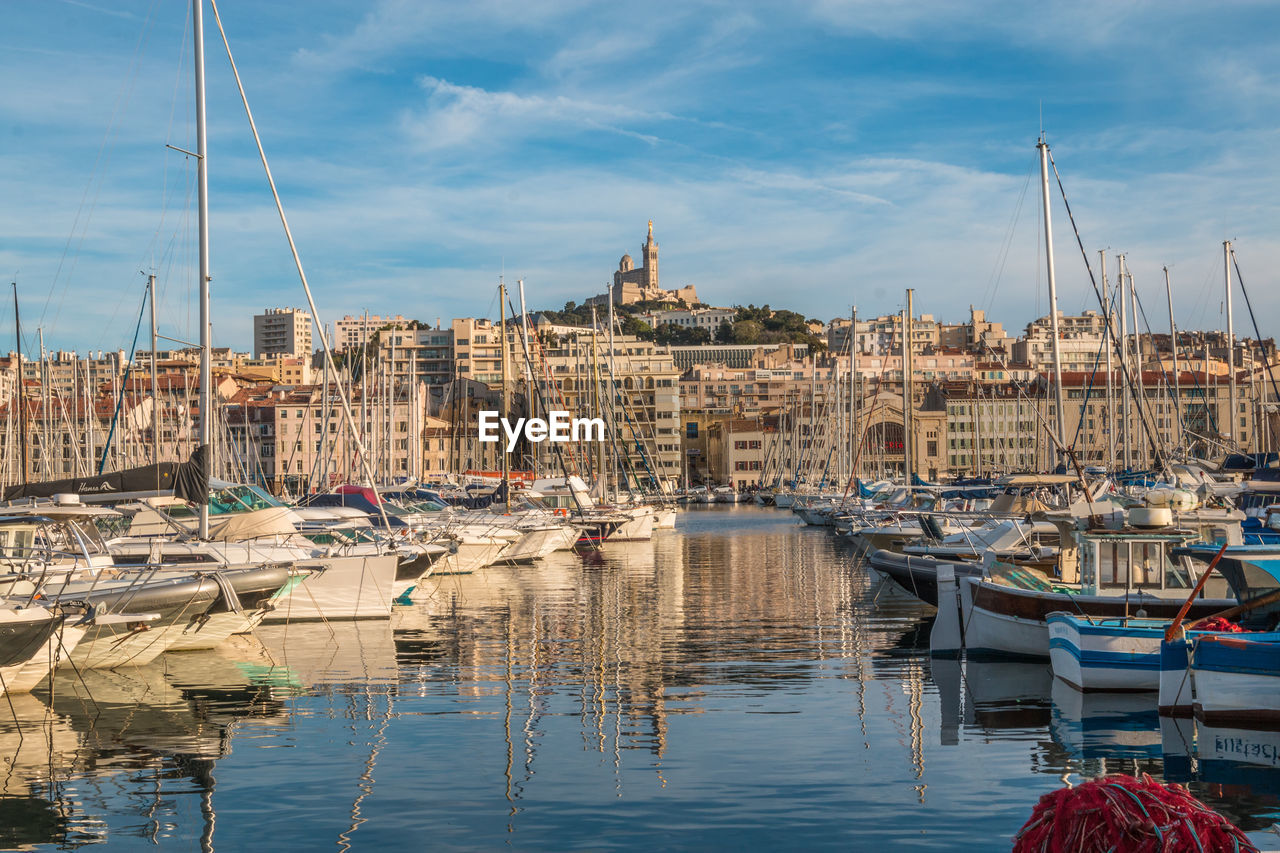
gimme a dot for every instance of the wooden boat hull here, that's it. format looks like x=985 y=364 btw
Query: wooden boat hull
x=1007 y=621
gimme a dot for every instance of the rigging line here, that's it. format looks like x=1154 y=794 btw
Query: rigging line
x=311 y=303
x=1084 y=406
x=1143 y=405
x=106 y=448
x=1002 y=256
x=1253 y=319
x=1142 y=312
x=105 y=149
x=178 y=78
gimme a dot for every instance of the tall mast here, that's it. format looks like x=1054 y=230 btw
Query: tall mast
x=1053 y=292
x=1108 y=343
x=908 y=448
x=325 y=417
x=502 y=340
x=364 y=377
x=1124 y=365
x=1144 y=446
x=22 y=389
x=46 y=443
x=414 y=453
x=1173 y=347
x=612 y=389
x=531 y=397
x=202 y=203
x=1231 y=347
x=853 y=390
x=155 y=392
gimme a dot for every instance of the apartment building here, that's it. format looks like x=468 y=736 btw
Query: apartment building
x=282 y=331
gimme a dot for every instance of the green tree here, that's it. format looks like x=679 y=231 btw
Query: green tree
x=637 y=327
x=747 y=331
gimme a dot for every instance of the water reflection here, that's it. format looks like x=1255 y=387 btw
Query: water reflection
x=740 y=681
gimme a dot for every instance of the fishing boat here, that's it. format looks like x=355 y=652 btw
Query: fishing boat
x=1116 y=655
x=1131 y=572
x=1236 y=679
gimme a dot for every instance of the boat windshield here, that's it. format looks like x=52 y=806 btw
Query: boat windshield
x=229 y=500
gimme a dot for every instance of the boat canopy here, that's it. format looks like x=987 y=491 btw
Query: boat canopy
x=1037 y=480
x=185 y=480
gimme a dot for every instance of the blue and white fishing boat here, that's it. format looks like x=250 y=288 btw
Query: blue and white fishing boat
x=1236 y=679
x=1116 y=655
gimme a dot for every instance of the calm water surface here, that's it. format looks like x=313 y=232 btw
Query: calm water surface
x=738 y=682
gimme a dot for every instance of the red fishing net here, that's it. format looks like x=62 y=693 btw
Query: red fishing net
x=1126 y=815
x=1217 y=623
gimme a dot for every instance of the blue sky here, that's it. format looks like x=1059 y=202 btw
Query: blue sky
x=808 y=155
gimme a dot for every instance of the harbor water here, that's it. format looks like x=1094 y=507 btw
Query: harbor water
x=740 y=682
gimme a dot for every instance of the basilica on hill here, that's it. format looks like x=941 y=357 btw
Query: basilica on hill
x=640 y=284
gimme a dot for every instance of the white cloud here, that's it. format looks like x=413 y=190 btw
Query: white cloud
x=467 y=116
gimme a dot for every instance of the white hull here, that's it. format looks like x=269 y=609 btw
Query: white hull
x=986 y=632
x=1112 y=662
x=22 y=677
x=664 y=519
x=1177 y=698
x=118 y=644
x=1223 y=697
x=635 y=529
x=815 y=517
x=340 y=588
x=536 y=544
x=472 y=555
x=216 y=629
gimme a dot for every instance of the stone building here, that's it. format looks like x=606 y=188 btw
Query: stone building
x=640 y=284
x=736 y=451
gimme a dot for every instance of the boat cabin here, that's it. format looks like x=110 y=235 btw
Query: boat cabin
x=1112 y=561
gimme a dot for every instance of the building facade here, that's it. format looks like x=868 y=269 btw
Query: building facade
x=282 y=331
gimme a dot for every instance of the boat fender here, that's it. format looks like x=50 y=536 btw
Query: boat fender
x=946 y=639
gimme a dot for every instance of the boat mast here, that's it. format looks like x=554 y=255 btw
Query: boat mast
x=853 y=390
x=1124 y=365
x=1231 y=347
x=1144 y=448
x=502 y=339
x=908 y=449
x=22 y=389
x=619 y=475
x=531 y=398
x=1108 y=343
x=1053 y=293
x=1173 y=347
x=202 y=204
x=155 y=393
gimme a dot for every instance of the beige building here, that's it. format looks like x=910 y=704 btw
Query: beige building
x=640 y=399
x=282 y=331
x=354 y=332
x=295 y=441
x=477 y=350
x=640 y=284
x=691 y=318
x=736 y=451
